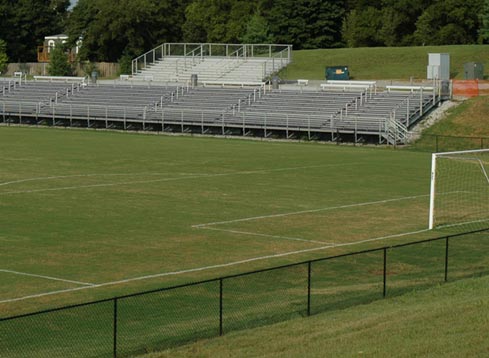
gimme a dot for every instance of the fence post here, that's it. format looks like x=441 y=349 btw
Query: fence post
x=446 y=259
x=384 y=291
x=221 y=332
x=309 y=288
x=115 y=328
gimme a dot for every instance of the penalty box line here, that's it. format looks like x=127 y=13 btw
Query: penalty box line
x=205 y=268
x=239 y=232
x=200 y=226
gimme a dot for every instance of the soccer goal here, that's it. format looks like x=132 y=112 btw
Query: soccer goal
x=460 y=189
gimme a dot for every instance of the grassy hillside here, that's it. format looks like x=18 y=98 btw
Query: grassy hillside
x=382 y=62
x=445 y=321
x=468 y=119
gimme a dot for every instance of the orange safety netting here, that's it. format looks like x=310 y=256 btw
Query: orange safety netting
x=483 y=88
x=466 y=88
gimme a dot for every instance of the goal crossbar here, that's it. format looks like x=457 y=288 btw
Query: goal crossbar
x=455 y=155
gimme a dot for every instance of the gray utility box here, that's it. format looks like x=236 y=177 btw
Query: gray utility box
x=473 y=71
x=438 y=66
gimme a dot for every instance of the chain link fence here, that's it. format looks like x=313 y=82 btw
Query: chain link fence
x=444 y=143
x=131 y=325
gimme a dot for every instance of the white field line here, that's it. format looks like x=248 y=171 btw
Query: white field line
x=309 y=211
x=47 y=277
x=266 y=235
x=83 y=176
x=18 y=159
x=463 y=223
x=191 y=176
x=198 y=269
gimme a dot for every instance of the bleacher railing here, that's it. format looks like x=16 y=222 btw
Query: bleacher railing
x=134 y=324
x=237 y=117
x=275 y=52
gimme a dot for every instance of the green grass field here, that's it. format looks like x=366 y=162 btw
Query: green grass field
x=382 y=63
x=103 y=214
x=88 y=215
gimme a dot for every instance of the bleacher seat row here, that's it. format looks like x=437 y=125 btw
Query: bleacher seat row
x=386 y=115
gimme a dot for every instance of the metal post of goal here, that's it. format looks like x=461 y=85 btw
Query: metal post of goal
x=434 y=157
x=432 y=191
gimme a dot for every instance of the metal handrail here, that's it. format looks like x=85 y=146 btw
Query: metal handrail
x=168 y=49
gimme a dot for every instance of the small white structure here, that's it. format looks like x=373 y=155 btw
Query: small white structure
x=51 y=41
x=438 y=66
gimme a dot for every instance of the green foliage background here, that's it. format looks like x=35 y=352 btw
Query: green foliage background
x=59 y=65
x=3 y=56
x=111 y=28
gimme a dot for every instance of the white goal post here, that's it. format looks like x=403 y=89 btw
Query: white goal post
x=459 y=192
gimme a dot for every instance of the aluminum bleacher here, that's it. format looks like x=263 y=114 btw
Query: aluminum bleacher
x=333 y=114
x=211 y=62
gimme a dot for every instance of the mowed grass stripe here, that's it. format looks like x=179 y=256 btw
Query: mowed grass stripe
x=116 y=232
x=182 y=177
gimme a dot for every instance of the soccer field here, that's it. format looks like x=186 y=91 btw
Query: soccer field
x=92 y=214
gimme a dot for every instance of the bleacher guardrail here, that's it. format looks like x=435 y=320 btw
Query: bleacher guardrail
x=275 y=52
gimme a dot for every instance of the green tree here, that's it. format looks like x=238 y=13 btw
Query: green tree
x=25 y=23
x=362 y=28
x=125 y=64
x=58 y=61
x=484 y=23
x=449 y=22
x=110 y=28
x=3 y=56
x=399 y=20
x=217 y=20
x=257 y=31
x=306 y=23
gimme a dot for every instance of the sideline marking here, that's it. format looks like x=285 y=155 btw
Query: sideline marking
x=191 y=176
x=47 y=277
x=197 y=269
x=463 y=223
x=308 y=211
x=266 y=235
x=80 y=176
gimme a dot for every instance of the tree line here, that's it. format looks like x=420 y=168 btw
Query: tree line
x=115 y=29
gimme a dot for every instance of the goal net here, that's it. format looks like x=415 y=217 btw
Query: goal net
x=460 y=189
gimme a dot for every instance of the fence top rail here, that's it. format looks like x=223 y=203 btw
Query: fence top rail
x=441 y=154
x=453 y=136
x=224 y=44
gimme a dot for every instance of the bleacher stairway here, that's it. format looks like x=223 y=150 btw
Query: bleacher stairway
x=211 y=62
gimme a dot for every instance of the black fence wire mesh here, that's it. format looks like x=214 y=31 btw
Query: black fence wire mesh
x=446 y=143
x=136 y=324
